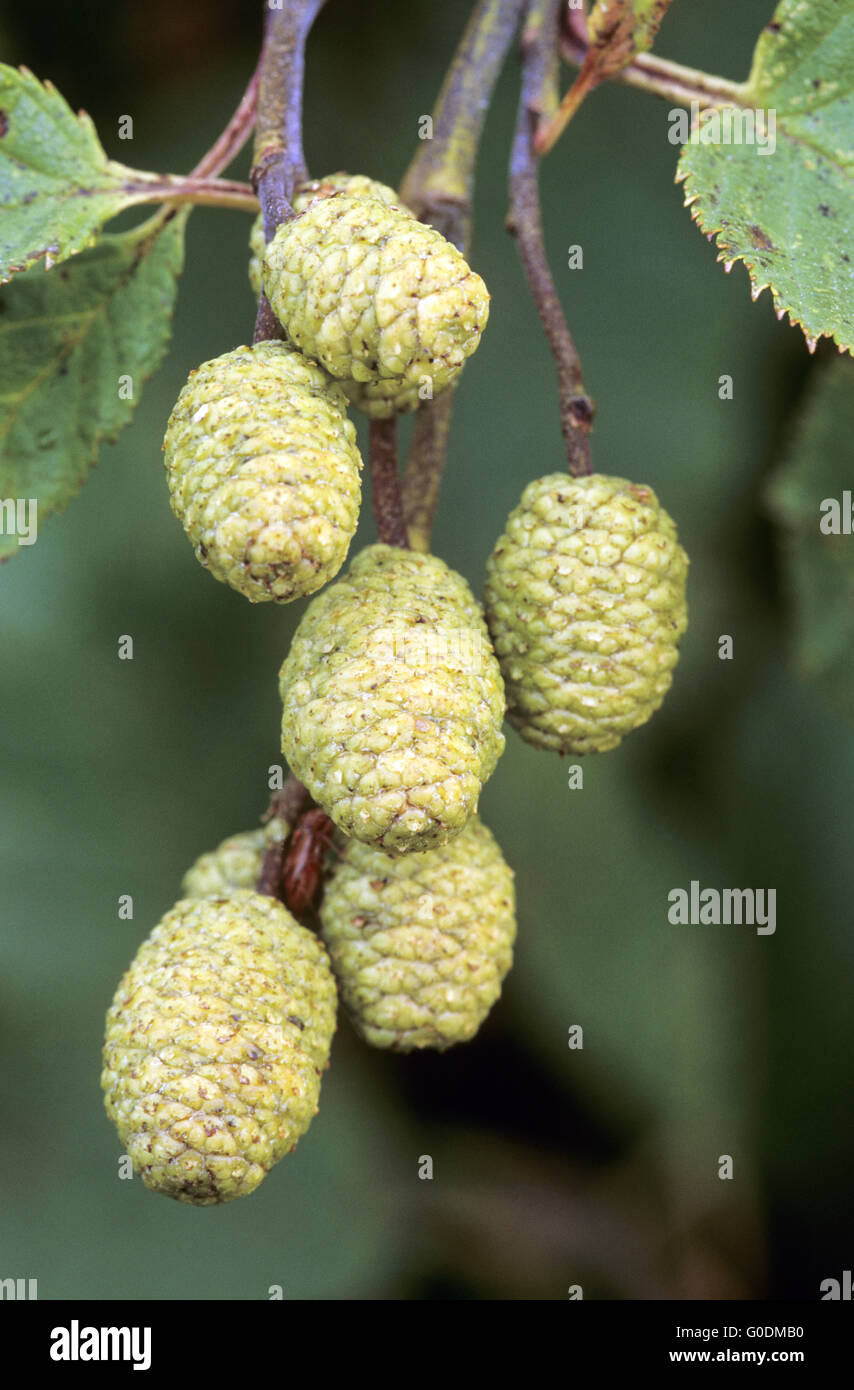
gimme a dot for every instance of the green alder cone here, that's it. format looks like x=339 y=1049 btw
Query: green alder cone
x=264 y=472
x=393 y=701
x=305 y=195
x=585 y=600
x=234 y=864
x=420 y=945
x=374 y=295
x=378 y=399
x=215 y=1043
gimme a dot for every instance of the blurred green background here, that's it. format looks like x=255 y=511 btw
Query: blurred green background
x=552 y=1167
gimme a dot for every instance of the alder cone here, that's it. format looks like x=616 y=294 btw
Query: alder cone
x=264 y=472
x=420 y=945
x=378 y=399
x=215 y=1043
x=308 y=193
x=234 y=864
x=585 y=600
x=393 y=701
x=374 y=295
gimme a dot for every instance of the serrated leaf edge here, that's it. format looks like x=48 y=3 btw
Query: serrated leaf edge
x=693 y=201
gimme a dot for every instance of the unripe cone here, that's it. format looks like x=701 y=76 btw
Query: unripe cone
x=263 y=471
x=585 y=600
x=378 y=399
x=374 y=295
x=393 y=701
x=234 y=864
x=308 y=193
x=215 y=1043
x=421 y=945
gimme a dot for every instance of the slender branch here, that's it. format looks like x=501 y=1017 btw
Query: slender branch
x=538 y=99
x=438 y=186
x=201 y=186
x=425 y=466
x=267 y=326
x=279 y=162
x=187 y=188
x=423 y=476
x=385 y=484
x=288 y=805
x=289 y=802
x=677 y=83
x=234 y=137
x=282 y=69
x=270 y=876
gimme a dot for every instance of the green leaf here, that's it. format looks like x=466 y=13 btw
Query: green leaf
x=57 y=186
x=819 y=567
x=788 y=213
x=65 y=341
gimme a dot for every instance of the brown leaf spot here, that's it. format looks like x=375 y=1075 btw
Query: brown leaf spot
x=4 y=124
x=759 y=238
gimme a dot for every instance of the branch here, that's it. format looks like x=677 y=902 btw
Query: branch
x=439 y=182
x=267 y=326
x=288 y=805
x=234 y=137
x=385 y=484
x=270 y=877
x=438 y=186
x=278 y=130
x=538 y=99
x=423 y=476
x=187 y=188
x=201 y=186
x=653 y=74
x=279 y=162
